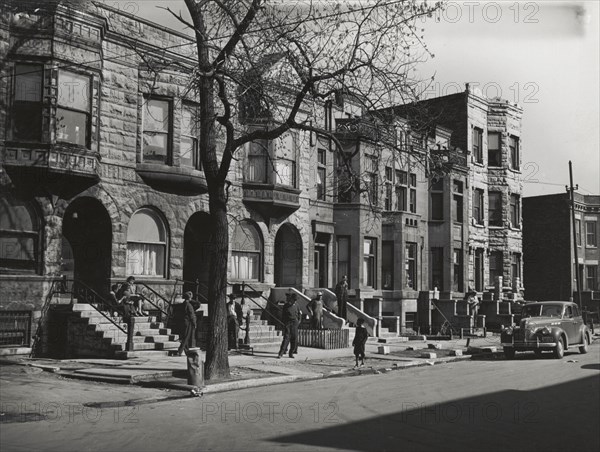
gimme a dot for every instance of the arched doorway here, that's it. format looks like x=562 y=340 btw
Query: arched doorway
x=87 y=241
x=288 y=257
x=196 y=251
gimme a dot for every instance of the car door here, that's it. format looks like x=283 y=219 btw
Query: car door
x=577 y=326
x=568 y=325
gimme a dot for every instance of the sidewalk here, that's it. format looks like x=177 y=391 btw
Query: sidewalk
x=262 y=368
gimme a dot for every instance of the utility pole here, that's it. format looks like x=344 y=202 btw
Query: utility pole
x=571 y=191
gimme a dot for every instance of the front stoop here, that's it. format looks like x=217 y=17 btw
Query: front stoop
x=101 y=337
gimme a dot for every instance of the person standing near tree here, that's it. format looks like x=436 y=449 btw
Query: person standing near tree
x=341 y=293
x=291 y=316
x=189 y=332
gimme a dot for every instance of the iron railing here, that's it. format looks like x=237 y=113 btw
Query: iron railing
x=15 y=328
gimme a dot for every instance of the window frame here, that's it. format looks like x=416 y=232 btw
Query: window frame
x=162 y=224
x=321 y=173
x=347 y=263
x=238 y=253
x=196 y=160
x=457 y=202
x=412 y=193
x=401 y=190
x=515 y=211
x=37 y=105
x=495 y=152
x=478 y=206
x=458 y=281
x=515 y=151
x=496 y=257
x=410 y=266
x=593 y=234
x=168 y=160
x=495 y=209
x=591 y=277
x=477 y=144
x=389 y=182
x=71 y=108
x=387 y=264
x=370 y=263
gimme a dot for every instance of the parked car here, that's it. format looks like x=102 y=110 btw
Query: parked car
x=547 y=326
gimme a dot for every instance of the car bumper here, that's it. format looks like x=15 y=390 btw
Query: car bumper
x=529 y=345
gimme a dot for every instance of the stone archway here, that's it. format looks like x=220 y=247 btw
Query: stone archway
x=196 y=251
x=87 y=243
x=288 y=257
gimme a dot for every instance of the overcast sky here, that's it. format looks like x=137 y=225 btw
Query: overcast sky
x=542 y=55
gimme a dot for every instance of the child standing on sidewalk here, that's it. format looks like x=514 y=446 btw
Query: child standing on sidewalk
x=360 y=339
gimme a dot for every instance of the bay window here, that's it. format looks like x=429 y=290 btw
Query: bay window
x=73 y=112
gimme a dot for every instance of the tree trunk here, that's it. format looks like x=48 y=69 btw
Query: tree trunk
x=217 y=362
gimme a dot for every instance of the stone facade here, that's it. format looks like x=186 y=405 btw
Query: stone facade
x=107 y=205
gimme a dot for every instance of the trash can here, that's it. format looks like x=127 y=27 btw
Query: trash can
x=195 y=367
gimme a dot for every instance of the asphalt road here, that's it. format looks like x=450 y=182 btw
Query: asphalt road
x=523 y=405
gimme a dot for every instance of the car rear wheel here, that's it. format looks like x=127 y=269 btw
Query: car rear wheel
x=586 y=344
x=559 y=350
x=509 y=353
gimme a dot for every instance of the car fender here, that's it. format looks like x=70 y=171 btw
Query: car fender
x=559 y=333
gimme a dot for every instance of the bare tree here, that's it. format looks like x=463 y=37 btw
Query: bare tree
x=271 y=63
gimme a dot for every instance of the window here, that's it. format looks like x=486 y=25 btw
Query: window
x=246 y=252
x=156 y=125
x=495 y=208
x=27 y=102
x=189 y=152
x=515 y=267
x=387 y=265
x=478 y=205
x=590 y=233
x=436 y=210
x=457 y=202
x=257 y=161
x=578 y=231
x=457 y=259
x=345 y=184
x=369 y=262
x=515 y=211
x=513 y=145
x=146 y=244
x=20 y=230
x=494 y=150
x=371 y=180
x=73 y=113
x=591 y=277
x=286 y=172
x=496 y=263
x=410 y=265
x=389 y=175
x=437 y=268
x=478 y=270
x=477 y=145
x=321 y=173
x=412 y=204
x=343 y=258
x=401 y=190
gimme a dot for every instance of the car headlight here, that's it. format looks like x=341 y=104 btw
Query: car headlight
x=544 y=331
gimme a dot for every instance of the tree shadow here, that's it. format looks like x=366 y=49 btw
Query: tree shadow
x=558 y=417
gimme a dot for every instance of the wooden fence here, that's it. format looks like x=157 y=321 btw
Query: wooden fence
x=327 y=339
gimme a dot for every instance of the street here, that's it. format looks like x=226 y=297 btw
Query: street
x=526 y=404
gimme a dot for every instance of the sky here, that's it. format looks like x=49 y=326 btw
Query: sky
x=544 y=56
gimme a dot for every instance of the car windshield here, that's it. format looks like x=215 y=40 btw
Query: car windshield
x=542 y=310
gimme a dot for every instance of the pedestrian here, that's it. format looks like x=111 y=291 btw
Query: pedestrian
x=233 y=326
x=116 y=306
x=188 y=339
x=360 y=339
x=290 y=317
x=315 y=308
x=341 y=293
x=472 y=302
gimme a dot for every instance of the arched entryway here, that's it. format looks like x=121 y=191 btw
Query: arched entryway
x=288 y=257
x=196 y=251
x=87 y=242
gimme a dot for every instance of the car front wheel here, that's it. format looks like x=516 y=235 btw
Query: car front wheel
x=586 y=343
x=559 y=350
x=509 y=353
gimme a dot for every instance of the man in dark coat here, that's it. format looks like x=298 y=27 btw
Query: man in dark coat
x=341 y=293
x=188 y=339
x=290 y=317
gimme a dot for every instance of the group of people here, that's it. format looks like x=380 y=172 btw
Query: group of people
x=125 y=300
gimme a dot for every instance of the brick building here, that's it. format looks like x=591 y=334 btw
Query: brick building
x=100 y=179
x=548 y=244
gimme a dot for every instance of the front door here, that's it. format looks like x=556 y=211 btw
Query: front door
x=320 y=266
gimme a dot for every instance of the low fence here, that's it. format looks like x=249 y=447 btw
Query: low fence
x=15 y=328
x=327 y=339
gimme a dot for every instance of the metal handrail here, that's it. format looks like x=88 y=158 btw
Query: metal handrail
x=158 y=295
x=269 y=302
x=38 y=331
x=98 y=299
x=452 y=327
x=197 y=283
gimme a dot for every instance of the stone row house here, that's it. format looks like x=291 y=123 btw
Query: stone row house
x=100 y=178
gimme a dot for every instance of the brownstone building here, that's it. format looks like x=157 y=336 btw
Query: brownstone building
x=100 y=178
x=548 y=243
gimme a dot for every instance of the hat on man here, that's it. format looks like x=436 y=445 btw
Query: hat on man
x=319 y=293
